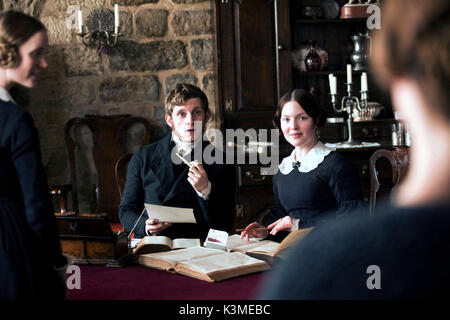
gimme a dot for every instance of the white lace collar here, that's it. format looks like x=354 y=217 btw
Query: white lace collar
x=312 y=160
x=5 y=95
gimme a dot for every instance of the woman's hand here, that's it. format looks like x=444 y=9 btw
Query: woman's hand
x=155 y=227
x=197 y=176
x=254 y=230
x=284 y=224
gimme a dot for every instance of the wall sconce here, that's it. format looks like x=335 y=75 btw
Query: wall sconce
x=100 y=32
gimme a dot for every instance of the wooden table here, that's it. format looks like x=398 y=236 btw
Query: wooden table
x=136 y=282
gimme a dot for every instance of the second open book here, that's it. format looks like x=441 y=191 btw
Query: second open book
x=211 y=265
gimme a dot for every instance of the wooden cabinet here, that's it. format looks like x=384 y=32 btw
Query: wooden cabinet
x=255 y=42
x=247 y=68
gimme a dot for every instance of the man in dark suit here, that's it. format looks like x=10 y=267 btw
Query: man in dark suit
x=156 y=176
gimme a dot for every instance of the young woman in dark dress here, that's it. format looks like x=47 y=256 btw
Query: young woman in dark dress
x=314 y=183
x=30 y=253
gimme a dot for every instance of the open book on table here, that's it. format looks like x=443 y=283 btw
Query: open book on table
x=266 y=250
x=204 y=263
x=151 y=244
x=239 y=258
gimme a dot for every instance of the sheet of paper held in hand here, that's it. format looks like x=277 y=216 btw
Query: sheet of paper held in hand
x=170 y=214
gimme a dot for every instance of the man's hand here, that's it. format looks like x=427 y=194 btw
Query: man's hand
x=155 y=227
x=197 y=176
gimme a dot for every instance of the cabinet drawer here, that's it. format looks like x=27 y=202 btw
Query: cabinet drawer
x=361 y=131
x=330 y=133
x=251 y=176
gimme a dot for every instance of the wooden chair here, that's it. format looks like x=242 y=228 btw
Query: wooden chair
x=121 y=172
x=109 y=145
x=399 y=162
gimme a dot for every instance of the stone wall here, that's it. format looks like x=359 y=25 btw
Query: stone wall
x=163 y=42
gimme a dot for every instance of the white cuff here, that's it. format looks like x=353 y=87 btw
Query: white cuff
x=205 y=192
x=295 y=223
x=148 y=234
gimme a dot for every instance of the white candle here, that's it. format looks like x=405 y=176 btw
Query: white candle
x=80 y=21
x=333 y=83
x=349 y=73
x=364 y=86
x=116 y=16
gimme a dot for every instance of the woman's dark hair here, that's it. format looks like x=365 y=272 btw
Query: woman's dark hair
x=414 y=42
x=306 y=100
x=15 y=29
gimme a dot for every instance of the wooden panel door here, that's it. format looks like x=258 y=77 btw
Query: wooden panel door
x=247 y=66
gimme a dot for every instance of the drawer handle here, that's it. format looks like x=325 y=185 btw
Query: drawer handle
x=366 y=132
x=251 y=175
x=364 y=169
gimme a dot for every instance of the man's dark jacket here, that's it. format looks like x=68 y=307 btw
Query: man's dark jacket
x=153 y=178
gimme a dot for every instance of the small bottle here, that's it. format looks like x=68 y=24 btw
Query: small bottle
x=394 y=134
x=401 y=135
x=407 y=136
x=397 y=134
x=312 y=60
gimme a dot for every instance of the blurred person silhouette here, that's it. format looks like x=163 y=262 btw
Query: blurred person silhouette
x=401 y=251
x=30 y=252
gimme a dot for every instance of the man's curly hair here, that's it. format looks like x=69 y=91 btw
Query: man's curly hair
x=183 y=92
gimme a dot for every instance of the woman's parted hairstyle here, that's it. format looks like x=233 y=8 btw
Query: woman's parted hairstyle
x=15 y=29
x=306 y=100
x=414 y=42
x=183 y=92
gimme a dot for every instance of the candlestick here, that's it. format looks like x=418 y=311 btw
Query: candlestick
x=80 y=21
x=116 y=16
x=348 y=104
x=333 y=83
x=349 y=73
x=364 y=86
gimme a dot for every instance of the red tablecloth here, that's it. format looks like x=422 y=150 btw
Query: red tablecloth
x=142 y=283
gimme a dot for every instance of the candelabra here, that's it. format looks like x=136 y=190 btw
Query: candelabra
x=102 y=37
x=348 y=103
x=100 y=23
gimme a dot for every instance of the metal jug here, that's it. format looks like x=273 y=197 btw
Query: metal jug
x=359 y=55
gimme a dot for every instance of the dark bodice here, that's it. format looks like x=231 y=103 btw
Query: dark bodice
x=29 y=246
x=331 y=190
x=17 y=134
